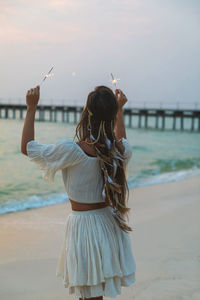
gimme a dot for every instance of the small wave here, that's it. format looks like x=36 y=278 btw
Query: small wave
x=145 y=179
x=168 y=165
x=166 y=170
x=31 y=202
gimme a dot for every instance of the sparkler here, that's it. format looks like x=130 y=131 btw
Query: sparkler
x=49 y=74
x=114 y=80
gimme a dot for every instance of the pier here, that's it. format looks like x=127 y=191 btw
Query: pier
x=154 y=118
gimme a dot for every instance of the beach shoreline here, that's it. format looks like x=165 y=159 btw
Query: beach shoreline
x=165 y=243
x=39 y=201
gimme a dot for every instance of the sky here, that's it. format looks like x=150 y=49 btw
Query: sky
x=152 y=46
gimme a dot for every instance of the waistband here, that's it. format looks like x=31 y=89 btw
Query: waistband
x=91 y=212
x=78 y=206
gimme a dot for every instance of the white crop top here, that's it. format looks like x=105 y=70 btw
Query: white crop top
x=81 y=173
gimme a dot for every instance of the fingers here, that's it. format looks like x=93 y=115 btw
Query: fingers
x=28 y=92
x=34 y=91
x=37 y=90
x=119 y=92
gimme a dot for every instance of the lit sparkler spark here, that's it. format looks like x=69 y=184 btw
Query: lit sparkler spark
x=49 y=74
x=114 y=80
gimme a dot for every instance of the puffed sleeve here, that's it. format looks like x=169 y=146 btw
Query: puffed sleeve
x=53 y=157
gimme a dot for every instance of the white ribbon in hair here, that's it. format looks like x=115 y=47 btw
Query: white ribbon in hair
x=110 y=179
x=108 y=143
x=114 y=213
x=114 y=167
x=103 y=193
x=117 y=156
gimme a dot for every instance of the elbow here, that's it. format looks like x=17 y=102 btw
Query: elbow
x=24 y=147
x=23 y=150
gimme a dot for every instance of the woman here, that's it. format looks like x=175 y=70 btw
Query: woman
x=96 y=258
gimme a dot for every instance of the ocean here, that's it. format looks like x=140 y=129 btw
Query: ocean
x=158 y=157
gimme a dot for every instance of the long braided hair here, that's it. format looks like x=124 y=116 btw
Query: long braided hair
x=96 y=127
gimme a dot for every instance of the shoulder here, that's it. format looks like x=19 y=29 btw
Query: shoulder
x=60 y=148
x=69 y=146
x=59 y=143
x=88 y=149
x=66 y=143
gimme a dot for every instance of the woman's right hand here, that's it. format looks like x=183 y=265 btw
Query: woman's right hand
x=121 y=98
x=32 y=97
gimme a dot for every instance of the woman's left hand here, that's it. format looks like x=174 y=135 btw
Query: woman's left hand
x=33 y=96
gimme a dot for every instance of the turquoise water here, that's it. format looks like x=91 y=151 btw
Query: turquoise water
x=158 y=156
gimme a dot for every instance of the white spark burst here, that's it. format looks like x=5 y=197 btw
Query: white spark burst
x=49 y=74
x=114 y=80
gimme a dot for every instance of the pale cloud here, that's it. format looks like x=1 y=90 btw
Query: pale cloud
x=22 y=24
x=12 y=34
x=142 y=20
x=9 y=32
x=148 y=44
x=11 y=6
x=62 y=23
x=63 y=4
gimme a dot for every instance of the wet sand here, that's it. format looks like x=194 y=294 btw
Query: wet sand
x=165 y=243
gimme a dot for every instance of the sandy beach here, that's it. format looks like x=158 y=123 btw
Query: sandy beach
x=165 y=242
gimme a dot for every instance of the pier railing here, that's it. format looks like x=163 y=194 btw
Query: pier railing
x=175 y=104
x=135 y=117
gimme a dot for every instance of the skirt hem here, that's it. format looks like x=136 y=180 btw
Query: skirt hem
x=110 y=287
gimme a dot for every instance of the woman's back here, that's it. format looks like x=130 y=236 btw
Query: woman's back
x=81 y=173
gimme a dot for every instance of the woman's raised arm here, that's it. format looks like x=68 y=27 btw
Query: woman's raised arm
x=120 y=131
x=32 y=99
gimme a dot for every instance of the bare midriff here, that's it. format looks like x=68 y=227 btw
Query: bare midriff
x=86 y=206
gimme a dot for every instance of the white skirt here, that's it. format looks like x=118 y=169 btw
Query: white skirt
x=96 y=258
